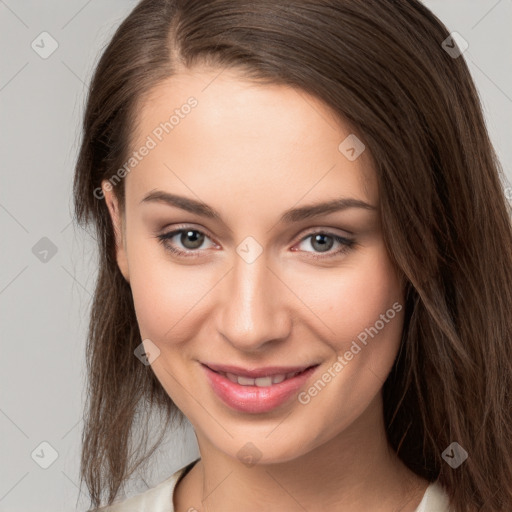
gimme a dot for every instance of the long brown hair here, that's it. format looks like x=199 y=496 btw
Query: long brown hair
x=381 y=66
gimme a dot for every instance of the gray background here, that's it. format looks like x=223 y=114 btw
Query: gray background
x=44 y=305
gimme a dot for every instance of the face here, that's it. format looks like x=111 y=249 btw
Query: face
x=230 y=264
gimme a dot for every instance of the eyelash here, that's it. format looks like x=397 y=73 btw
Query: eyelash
x=347 y=243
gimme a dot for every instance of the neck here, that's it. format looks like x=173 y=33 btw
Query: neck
x=355 y=471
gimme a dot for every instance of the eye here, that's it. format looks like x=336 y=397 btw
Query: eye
x=323 y=242
x=191 y=241
x=189 y=238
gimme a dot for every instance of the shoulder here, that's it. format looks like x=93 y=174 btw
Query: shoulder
x=435 y=499
x=155 y=499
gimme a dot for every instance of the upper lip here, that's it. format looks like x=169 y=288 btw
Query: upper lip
x=254 y=373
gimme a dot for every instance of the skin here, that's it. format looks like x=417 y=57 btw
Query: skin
x=251 y=152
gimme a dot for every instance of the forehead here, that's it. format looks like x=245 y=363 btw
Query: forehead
x=212 y=133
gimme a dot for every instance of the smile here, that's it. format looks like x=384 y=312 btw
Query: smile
x=256 y=391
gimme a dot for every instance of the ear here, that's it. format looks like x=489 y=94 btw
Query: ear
x=117 y=223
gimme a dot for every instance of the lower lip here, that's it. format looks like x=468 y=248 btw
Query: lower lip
x=255 y=399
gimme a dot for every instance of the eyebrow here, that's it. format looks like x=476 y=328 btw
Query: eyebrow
x=291 y=215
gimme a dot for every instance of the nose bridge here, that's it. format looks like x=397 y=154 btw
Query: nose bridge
x=253 y=311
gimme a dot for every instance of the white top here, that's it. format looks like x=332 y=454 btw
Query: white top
x=160 y=497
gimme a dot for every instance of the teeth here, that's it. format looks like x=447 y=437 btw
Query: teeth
x=263 y=381
x=278 y=378
x=245 y=381
x=230 y=376
x=260 y=381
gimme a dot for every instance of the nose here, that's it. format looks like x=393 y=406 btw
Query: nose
x=253 y=313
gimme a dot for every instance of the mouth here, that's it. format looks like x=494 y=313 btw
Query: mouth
x=244 y=378
x=258 y=390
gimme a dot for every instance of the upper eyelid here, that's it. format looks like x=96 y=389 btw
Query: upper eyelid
x=177 y=230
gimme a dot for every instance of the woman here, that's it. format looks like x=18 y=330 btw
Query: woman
x=306 y=251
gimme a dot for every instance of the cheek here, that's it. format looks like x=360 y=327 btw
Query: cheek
x=364 y=305
x=364 y=310
x=168 y=298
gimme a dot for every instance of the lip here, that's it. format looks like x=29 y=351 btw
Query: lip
x=255 y=399
x=267 y=371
